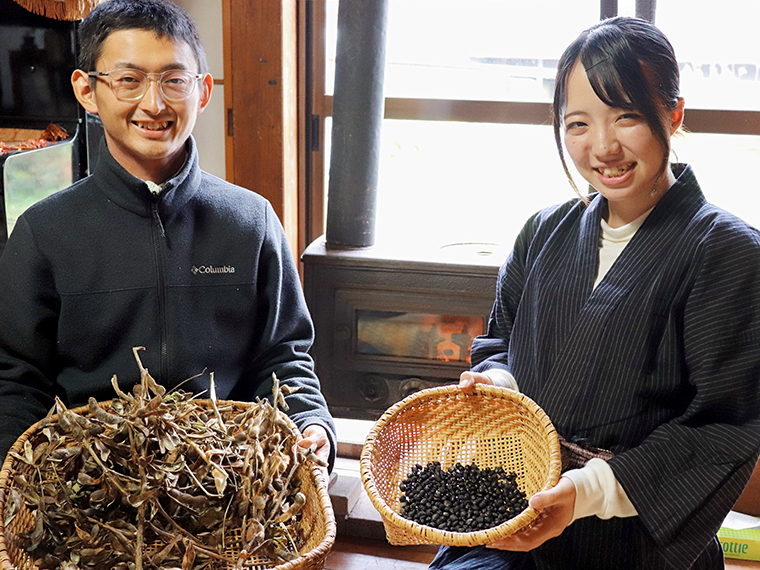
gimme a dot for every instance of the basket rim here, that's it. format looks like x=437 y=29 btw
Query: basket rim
x=434 y=535
x=318 y=553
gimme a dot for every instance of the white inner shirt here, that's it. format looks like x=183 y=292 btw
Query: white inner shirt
x=612 y=241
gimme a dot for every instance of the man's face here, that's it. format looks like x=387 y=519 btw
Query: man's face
x=147 y=136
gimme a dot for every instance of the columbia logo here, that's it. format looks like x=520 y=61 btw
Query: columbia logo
x=206 y=269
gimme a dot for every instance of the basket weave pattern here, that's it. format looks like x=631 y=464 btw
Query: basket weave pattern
x=316 y=530
x=491 y=427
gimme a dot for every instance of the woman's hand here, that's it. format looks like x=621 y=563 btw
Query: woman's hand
x=556 y=505
x=468 y=379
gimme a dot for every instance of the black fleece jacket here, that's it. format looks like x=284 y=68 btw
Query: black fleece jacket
x=201 y=276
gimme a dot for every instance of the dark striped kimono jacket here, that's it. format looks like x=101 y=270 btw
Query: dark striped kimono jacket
x=659 y=364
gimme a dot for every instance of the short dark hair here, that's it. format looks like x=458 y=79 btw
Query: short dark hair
x=630 y=65
x=164 y=18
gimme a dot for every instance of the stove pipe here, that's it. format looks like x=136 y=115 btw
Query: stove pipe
x=358 y=107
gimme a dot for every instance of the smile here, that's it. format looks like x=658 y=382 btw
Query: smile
x=152 y=126
x=615 y=171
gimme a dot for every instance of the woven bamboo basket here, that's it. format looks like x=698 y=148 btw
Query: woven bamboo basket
x=491 y=427
x=317 y=527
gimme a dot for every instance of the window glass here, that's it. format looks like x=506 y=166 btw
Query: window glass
x=448 y=182
x=425 y=336
x=445 y=182
x=32 y=175
x=728 y=188
x=473 y=49
x=506 y=50
x=717 y=51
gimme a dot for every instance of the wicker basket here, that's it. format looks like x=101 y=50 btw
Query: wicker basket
x=490 y=426
x=314 y=543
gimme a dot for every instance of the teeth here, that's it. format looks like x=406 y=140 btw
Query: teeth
x=616 y=171
x=152 y=126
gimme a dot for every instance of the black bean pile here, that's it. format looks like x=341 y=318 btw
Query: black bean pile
x=463 y=498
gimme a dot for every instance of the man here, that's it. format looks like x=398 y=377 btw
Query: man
x=151 y=251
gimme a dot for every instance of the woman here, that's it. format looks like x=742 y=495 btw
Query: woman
x=632 y=317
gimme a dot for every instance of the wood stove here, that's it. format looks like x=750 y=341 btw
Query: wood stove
x=391 y=320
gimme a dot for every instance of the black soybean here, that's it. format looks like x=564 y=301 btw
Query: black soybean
x=463 y=498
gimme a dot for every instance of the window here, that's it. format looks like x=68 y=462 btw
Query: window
x=717 y=52
x=468 y=150
x=476 y=50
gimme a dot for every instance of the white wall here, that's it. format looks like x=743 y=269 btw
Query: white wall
x=209 y=130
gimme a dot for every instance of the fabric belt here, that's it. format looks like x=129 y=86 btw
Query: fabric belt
x=575 y=455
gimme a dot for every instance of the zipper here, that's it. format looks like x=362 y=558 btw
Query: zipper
x=158 y=234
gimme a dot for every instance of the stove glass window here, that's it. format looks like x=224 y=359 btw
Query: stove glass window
x=417 y=335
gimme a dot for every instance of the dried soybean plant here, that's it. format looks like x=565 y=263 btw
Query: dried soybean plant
x=161 y=480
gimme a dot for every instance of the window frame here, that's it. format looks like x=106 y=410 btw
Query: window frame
x=317 y=106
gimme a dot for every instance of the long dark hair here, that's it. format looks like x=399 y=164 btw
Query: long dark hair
x=162 y=17
x=630 y=65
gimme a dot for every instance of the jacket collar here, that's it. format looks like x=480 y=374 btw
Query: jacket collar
x=131 y=193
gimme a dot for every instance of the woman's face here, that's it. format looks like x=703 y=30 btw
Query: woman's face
x=615 y=150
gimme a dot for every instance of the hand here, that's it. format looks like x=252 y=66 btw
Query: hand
x=315 y=434
x=467 y=380
x=557 y=505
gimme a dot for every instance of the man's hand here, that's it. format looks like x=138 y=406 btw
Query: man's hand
x=557 y=505
x=317 y=435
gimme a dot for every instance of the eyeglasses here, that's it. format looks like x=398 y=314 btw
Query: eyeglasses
x=132 y=84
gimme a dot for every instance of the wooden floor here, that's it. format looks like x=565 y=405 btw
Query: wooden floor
x=737 y=564
x=350 y=553
x=363 y=554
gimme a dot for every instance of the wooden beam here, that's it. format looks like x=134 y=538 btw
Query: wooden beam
x=721 y=121
x=262 y=103
x=469 y=111
x=695 y=120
